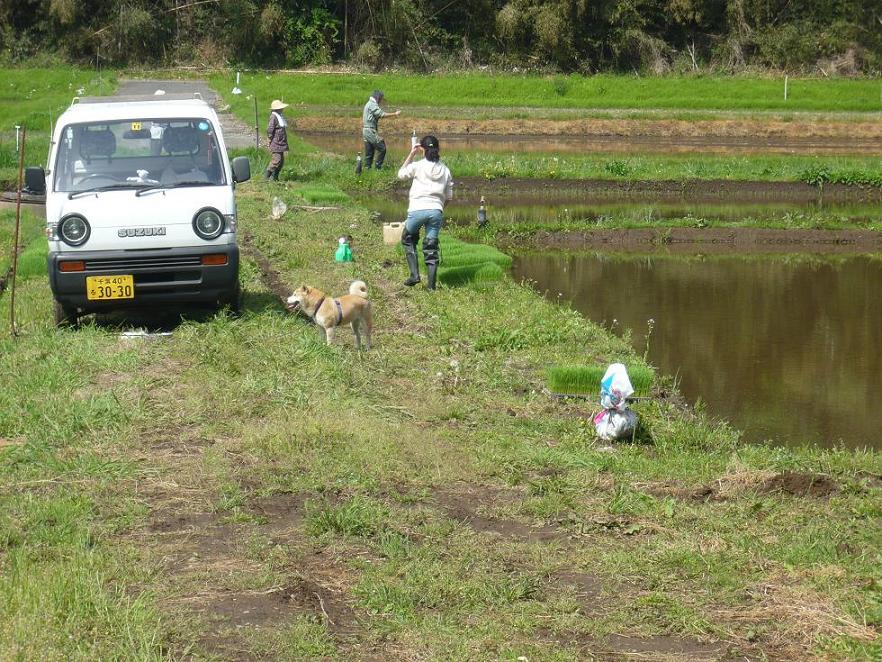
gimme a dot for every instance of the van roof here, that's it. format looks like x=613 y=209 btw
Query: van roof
x=93 y=109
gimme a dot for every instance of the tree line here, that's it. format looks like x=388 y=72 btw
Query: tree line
x=587 y=36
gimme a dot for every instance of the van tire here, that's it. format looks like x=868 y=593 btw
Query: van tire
x=64 y=316
x=234 y=303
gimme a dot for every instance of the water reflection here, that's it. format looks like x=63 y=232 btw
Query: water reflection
x=788 y=349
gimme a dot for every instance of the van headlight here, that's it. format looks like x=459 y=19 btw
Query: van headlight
x=208 y=223
x=74 y=230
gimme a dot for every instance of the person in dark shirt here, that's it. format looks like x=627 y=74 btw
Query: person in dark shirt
x=370 y=131
x=277 y=133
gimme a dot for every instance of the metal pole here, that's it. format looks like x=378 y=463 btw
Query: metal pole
x=256 y=125
x=21 y=155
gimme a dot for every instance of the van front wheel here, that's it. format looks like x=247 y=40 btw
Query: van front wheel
x=65 y=316
x=234 y=302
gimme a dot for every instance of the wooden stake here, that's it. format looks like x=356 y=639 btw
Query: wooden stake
x=21 y=154
x=786 y=81
x=256 y=125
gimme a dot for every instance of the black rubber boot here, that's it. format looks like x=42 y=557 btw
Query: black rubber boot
x=268 y=175
x=409 y=241
x=368 y=155
x=381 y=154
x=432 y=256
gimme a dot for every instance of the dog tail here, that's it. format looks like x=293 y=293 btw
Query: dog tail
x=358 y=288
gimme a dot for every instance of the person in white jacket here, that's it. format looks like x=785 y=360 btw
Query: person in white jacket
x=432 y=187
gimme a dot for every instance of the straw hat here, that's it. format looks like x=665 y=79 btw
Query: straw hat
x=278 y=105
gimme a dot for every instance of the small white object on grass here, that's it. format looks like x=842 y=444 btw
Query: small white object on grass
x=279 y=209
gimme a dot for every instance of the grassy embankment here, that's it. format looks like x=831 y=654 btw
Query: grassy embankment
x=239 y=488
x=34 y=98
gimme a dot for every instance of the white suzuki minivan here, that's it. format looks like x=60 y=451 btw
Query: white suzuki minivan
x=140 y=207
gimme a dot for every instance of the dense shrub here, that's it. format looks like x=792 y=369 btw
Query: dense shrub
x=565 y=35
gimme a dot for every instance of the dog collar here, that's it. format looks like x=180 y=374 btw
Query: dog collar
x=317 y=307
x=338 y=305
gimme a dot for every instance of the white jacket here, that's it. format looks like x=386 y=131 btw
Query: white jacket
x=432 y=184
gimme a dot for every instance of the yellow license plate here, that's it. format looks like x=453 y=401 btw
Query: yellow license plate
x=103 y=288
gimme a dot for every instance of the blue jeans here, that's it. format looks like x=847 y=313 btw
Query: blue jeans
x=433 y=219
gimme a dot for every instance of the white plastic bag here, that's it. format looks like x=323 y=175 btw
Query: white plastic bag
x=279 y=209
x=615 y=387
x=616 y=420
x=614 y=425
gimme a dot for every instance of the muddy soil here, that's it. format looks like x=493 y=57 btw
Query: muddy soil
x=346 y=143
x=801 y=136
x=800 y=484
x=709 y=241
x=698 y=190
x=270 y=276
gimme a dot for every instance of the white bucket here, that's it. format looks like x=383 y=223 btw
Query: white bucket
x=392 y=232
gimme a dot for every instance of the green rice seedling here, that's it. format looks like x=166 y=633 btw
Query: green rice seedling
x=585 y=380
x=456 y=253
x=482 y=272
x=321 y=194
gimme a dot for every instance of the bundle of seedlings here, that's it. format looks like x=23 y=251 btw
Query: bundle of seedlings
x=581 y=381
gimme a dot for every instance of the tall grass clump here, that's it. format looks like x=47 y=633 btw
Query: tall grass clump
x=585 y=380
x=32 y=261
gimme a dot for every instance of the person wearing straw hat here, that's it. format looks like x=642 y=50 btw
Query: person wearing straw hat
x=370 y=118
x=277 y=133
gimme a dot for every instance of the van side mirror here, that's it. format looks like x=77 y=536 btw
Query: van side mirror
x=34 y=180
x=241 y=169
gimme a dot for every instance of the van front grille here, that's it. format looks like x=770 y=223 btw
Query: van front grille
x=140 y=263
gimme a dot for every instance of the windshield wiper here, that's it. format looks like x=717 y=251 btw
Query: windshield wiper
x=107 y=187
x=195 y=182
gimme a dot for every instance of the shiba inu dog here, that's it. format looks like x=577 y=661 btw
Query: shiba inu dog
x=329 y=313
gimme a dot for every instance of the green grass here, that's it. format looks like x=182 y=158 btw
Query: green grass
x=557 y=92
x=585 y=380
x=231 y=423
x=29 y=233
x=34 y=98
x=424 y=500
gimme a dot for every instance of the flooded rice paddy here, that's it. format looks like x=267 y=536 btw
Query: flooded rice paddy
x=788 y=349
x=783 y=341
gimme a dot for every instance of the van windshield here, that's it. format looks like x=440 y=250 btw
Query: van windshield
x=137 y=153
